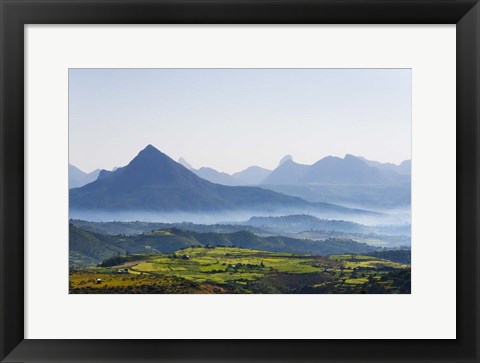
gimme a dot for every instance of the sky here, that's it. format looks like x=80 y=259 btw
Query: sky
x=230 y=119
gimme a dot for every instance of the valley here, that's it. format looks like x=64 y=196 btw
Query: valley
x=338 y=226
x=90 y=248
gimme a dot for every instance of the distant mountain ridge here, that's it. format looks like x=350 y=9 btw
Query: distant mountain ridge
x=215 y=176
x=288 y=172
x=152 y=181
x=252 y=175
x=303 y=222
x=78 y=178
x=331 y=170
x=403 y=168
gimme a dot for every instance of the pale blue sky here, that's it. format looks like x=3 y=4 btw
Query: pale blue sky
x=230 y=119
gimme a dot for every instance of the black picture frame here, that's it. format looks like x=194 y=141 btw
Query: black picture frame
x=17 y=13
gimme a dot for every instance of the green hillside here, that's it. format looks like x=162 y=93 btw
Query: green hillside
x=89 y=248
x=245 y=271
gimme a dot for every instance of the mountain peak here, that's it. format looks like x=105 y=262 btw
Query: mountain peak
x=149 y=154
x=154 y=181
x=285 y=158
x=185 y=163
x=104 y=174
x=149 y=148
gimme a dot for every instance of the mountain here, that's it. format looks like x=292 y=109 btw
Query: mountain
x=209 y=174
x=78 y=178
x=349 y=170
x=367 y=196
x=285 y=158
x=333 y=170
x=403 y=168
x=253 y=175
x=288 y=172
x=185 y=163
x=88 y=248
x=215 y=176
x=152 y=181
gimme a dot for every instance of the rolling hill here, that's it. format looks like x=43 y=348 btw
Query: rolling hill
x=88 y=248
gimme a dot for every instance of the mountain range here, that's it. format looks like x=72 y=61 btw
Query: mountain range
x=153 y=181
x=404 y=168
x=78 y=178
x=332 y=170
x=252 y=175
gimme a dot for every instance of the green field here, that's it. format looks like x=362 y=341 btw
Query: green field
x=201 y=270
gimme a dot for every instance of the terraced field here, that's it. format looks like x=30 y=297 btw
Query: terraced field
x=239 y=270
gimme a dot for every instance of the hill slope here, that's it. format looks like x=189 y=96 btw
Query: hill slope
x=88 y=248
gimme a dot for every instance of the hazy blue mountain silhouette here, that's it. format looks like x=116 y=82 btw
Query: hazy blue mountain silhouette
x=349 y=170
x=403 y=168
x=252 y=175
x=285 y=158
x=78 y=178
x=288 y=172
x=215 y=176
x=152 y=181
x=332 y=170
x=185 y=163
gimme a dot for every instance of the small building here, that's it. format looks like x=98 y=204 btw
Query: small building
x=98 y=281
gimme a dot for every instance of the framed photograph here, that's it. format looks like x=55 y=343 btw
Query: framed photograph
x=239 y=181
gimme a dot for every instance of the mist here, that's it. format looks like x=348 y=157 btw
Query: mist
x=395 y=217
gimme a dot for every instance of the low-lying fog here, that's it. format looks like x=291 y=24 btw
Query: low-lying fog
x=390 y=217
